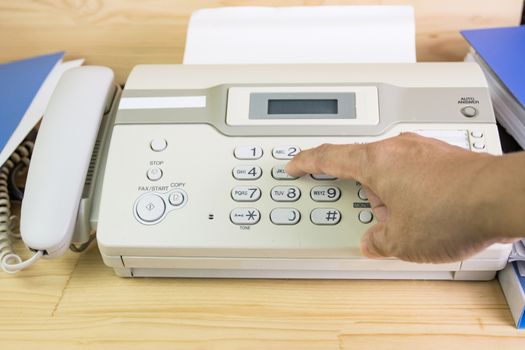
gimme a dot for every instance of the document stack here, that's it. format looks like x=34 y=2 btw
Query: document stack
x=501 y=54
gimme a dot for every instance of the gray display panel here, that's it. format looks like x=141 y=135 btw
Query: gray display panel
x=302 y=105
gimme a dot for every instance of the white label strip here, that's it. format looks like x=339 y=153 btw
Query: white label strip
x=162 y=102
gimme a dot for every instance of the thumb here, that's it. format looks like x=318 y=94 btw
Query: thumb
x=373 y=242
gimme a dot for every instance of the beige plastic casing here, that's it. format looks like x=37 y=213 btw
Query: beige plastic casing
x=199 y=159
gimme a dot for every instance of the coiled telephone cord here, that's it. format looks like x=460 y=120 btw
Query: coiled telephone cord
x=9 y=260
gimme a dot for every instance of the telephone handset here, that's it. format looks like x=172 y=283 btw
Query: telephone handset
x=60 y=162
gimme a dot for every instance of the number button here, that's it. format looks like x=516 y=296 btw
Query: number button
x=325 y=193
x=285 y=152
x=285 y=216
x=279 y=173
x=245 y=216
x=325 y=216
x=246 y=194
x=323 y=177
x=247 y=172
x=248 y=152
x=285 y=193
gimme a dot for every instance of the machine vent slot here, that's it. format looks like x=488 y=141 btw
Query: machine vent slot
x=92 y=164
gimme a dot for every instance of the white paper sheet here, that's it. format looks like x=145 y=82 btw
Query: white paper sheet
x=319 y=34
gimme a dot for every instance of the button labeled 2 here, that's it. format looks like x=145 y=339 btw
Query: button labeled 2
x=247 y=172
x=285 y=152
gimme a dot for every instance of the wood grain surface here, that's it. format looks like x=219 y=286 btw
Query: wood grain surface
x=123 y=33
x=77 y=303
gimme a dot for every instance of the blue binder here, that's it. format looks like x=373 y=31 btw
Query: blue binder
x=503 y=50
x=19 y=83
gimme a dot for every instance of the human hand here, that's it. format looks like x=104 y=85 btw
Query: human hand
x=421 y=191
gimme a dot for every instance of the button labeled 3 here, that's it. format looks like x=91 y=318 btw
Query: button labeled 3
x=285 y=152
x=246 y=194
x=285 y=193
x=285 y=216
x=247 y=172
x=245 y=216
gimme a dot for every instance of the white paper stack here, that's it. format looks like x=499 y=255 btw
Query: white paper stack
x=311 y=34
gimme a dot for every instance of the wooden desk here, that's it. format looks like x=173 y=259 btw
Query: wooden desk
x=76 y=302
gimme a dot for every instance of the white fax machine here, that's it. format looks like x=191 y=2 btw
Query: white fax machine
x=182 y=173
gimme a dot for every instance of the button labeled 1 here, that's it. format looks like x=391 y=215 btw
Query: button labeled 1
x=285 y=152
x=285 y=216
x=248 y=152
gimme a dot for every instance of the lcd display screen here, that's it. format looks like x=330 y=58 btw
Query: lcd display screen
x=302 y=106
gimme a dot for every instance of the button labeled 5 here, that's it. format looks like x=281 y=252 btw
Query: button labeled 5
x=279 y=173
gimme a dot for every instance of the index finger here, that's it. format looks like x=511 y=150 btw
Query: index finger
x=342 y=161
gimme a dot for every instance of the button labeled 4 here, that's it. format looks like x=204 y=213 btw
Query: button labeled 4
x=247 y=172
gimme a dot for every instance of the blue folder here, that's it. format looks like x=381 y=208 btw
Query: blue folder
x=19 y=83
x=503 y=50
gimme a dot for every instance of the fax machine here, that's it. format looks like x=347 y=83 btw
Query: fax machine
x=182 y=173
